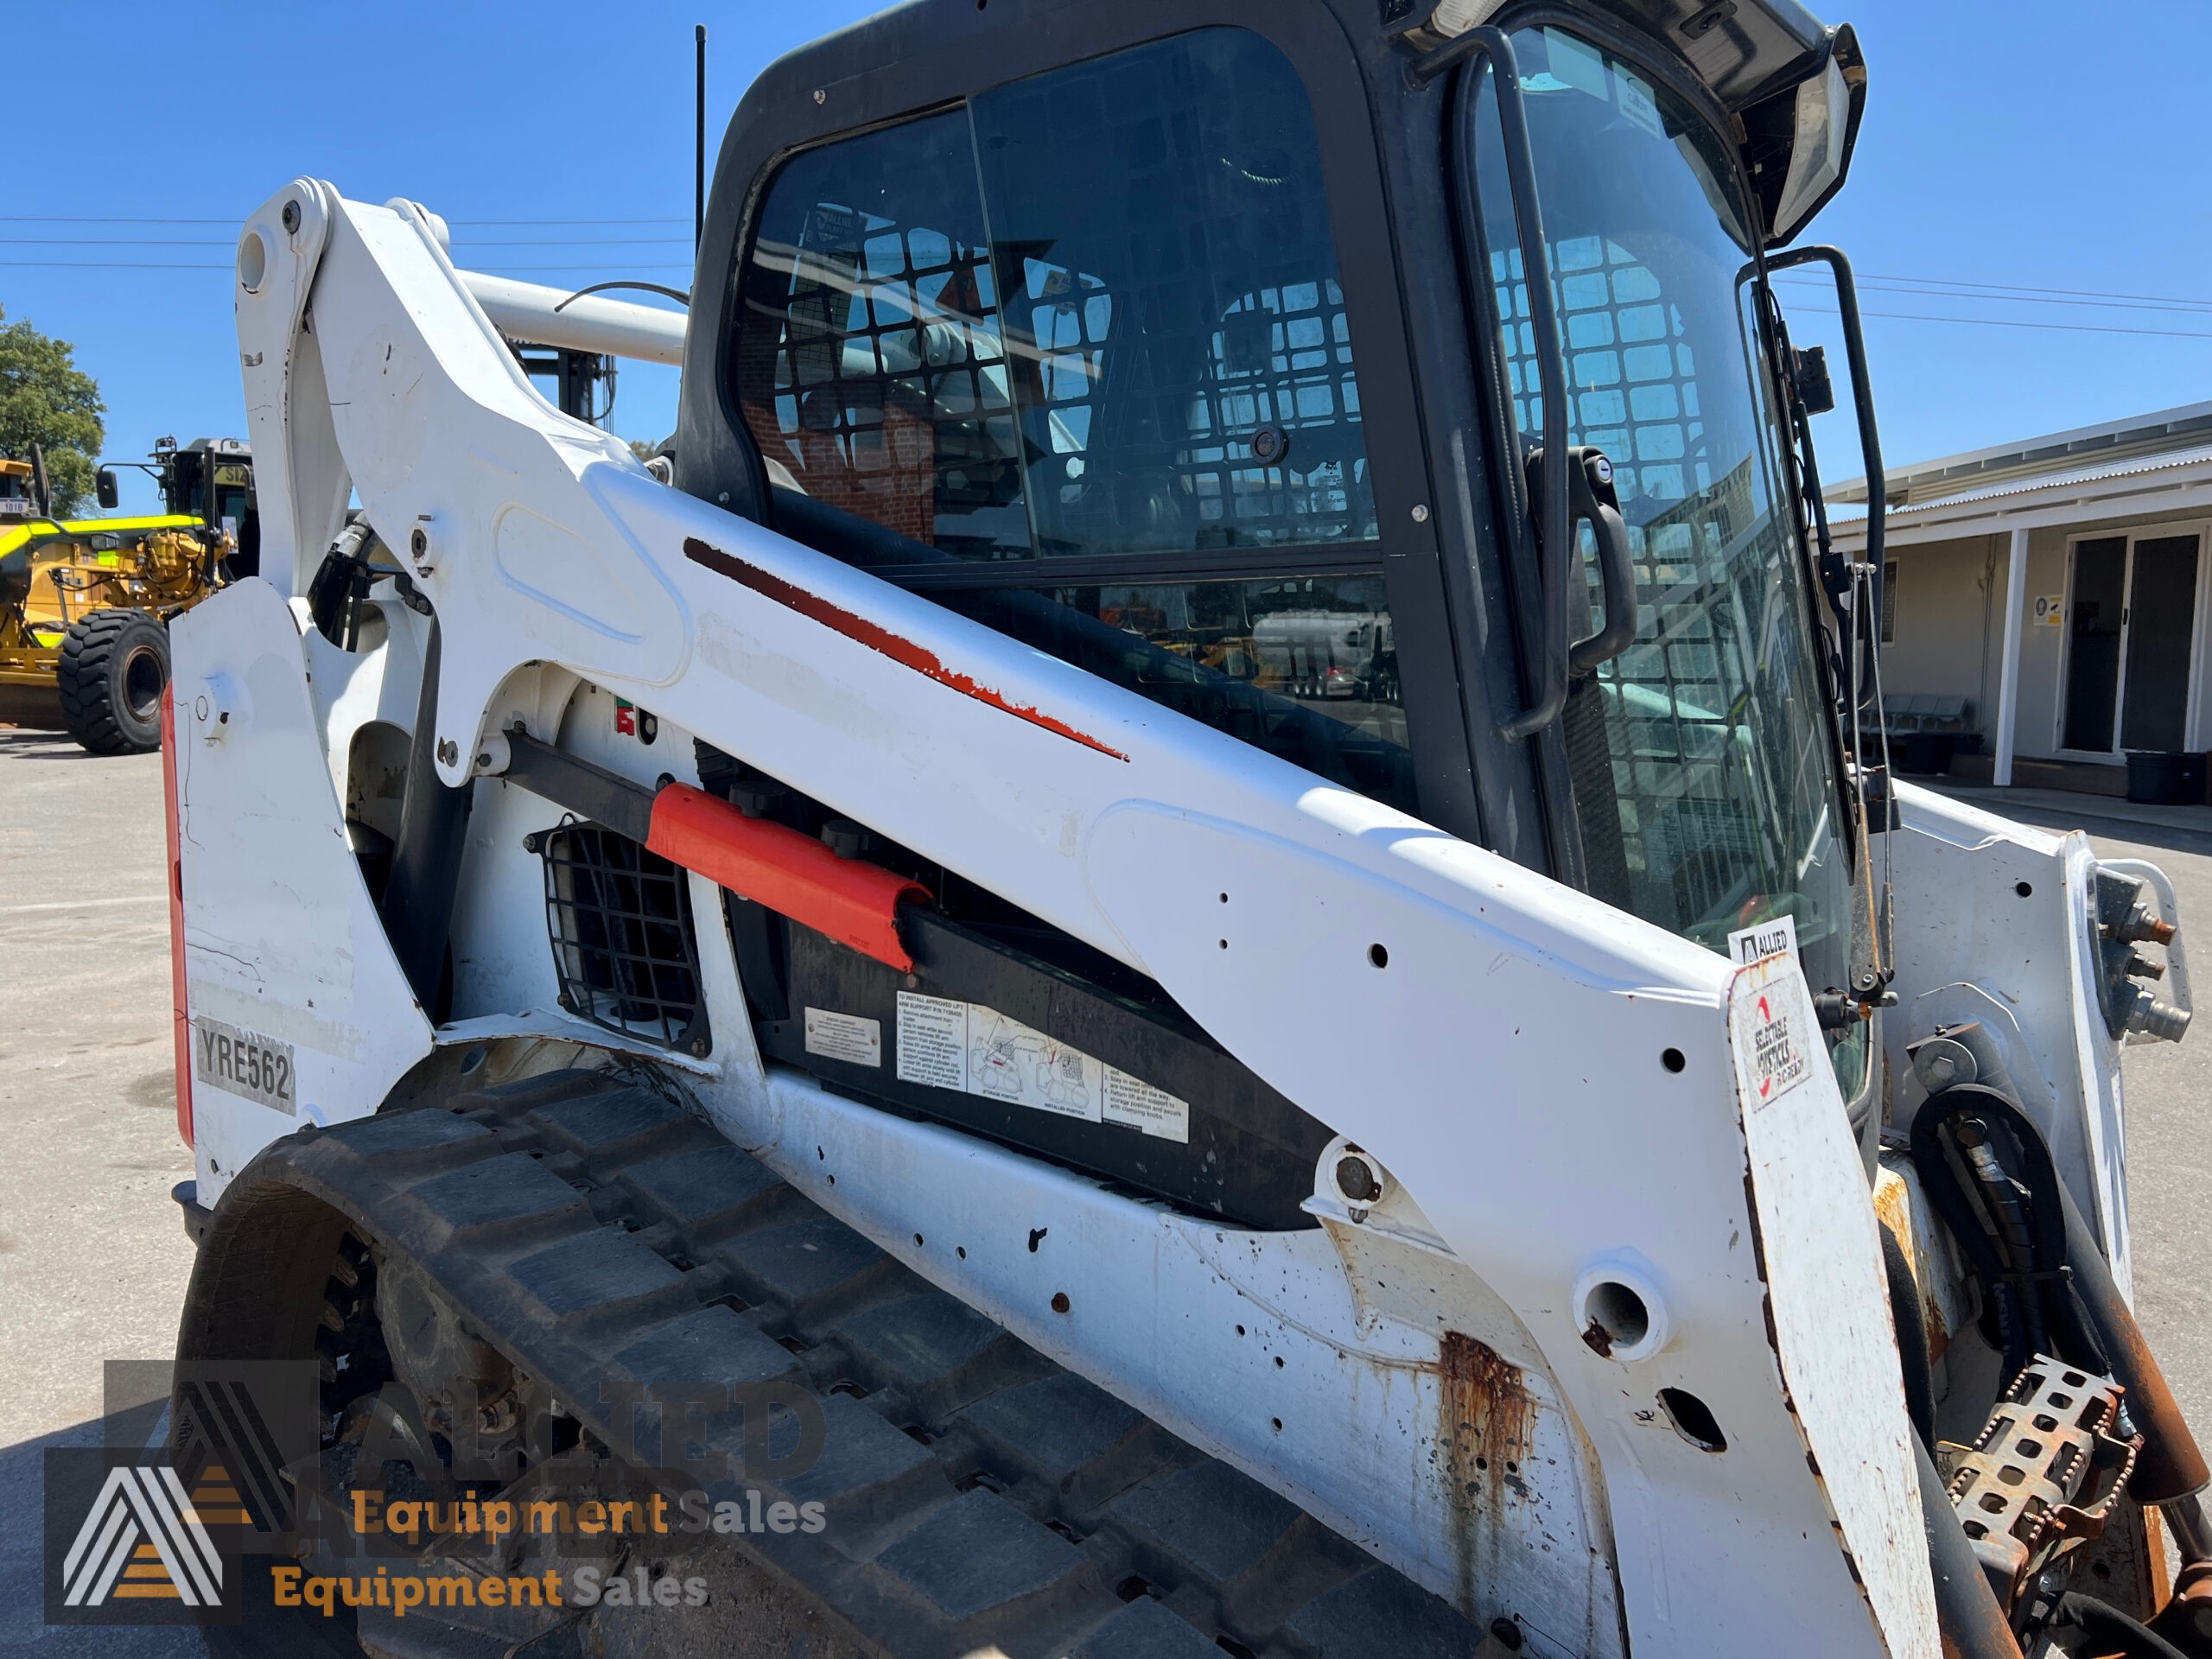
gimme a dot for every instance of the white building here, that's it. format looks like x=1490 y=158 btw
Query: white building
x=2052 y=595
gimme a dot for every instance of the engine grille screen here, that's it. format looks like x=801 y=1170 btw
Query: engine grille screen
x=619 y=917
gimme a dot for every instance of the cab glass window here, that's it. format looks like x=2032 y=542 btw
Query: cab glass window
x=1093 y=312
x=870 y=364
x=1083 y=318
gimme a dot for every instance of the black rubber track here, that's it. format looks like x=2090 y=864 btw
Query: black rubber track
x=94 y=679
x=601 y=1234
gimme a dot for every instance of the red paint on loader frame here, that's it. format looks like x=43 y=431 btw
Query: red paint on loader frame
x=876 y=637
x=795 y=876
x=179 y=1002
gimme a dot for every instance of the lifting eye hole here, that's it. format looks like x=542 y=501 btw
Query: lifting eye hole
x=2026 y=890
x=1673 y=1059
x=1378 y=956
x=1693 y=1420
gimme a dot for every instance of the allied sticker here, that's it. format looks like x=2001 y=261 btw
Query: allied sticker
x=944 y=1043
x=846 y=1037
x=244 y=1064
x=1756 y=943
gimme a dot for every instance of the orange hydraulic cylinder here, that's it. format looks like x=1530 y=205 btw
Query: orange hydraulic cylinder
x=855 y=904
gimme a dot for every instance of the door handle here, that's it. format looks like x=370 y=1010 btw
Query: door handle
x=1591 y=490
x=1592 y=499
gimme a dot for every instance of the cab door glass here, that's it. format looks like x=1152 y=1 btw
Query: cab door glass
x=1702 y=768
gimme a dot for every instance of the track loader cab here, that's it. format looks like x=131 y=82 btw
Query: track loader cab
x=1201 y=350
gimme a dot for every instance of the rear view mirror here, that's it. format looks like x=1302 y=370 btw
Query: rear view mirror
x=103 y=486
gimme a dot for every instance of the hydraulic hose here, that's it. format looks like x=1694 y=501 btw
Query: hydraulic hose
x=419 y=895
x=2029 y=1314
x=2170 y=1467
x=2091 y=1320
x=2113 y=1631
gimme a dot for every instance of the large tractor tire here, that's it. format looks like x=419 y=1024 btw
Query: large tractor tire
x=115 y=665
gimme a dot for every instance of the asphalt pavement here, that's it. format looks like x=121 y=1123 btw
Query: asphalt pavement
x=93 y=1260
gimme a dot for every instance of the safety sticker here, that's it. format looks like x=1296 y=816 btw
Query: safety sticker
x=1765 y=939
x=1774 y=1050
x=244 y=1064
x=1135 y=1103
x=933 y=1041
x=846 y=1037
x=944 y=1043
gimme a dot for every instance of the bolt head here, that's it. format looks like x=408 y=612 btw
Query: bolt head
x=291 y=216
x=1421 y=513
x=419 y=542
x=449 y=751
x=1356 y=1180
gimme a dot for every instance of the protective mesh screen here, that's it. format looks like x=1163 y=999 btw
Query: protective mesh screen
x=620 y=918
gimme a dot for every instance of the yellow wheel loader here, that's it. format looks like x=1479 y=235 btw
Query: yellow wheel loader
x=85 y=603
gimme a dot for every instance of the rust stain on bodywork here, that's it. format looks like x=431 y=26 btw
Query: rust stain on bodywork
x=878 y=637
x=1893 y=1210
x=1486 y=1426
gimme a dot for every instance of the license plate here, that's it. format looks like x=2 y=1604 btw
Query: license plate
x=244 y=1064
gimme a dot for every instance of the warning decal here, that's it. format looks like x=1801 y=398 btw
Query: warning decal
x=947 y=1044
x=1773 y=1031
x=846 y=1037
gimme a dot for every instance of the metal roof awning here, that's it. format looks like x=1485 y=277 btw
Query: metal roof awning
x=2170 y=481
x=2164 y=432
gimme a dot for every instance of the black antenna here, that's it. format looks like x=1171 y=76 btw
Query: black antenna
x=699 y=156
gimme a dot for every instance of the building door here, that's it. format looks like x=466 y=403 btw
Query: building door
x=2161 y=626
x=2132 y=627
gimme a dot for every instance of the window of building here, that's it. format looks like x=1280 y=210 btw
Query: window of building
x=1085 y=317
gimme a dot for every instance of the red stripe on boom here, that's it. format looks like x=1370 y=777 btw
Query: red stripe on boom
x=876 y=637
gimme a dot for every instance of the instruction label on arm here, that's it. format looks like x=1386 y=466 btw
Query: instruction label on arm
x=944 y=1043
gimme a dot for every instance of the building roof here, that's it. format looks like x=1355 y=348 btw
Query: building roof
x=2044 y=459
x=2156 y=463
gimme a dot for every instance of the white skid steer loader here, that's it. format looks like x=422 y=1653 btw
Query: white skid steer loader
x=1191 y=939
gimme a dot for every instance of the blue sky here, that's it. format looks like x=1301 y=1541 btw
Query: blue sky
x=2025 y=146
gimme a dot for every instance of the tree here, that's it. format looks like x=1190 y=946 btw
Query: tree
x=46 y=399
